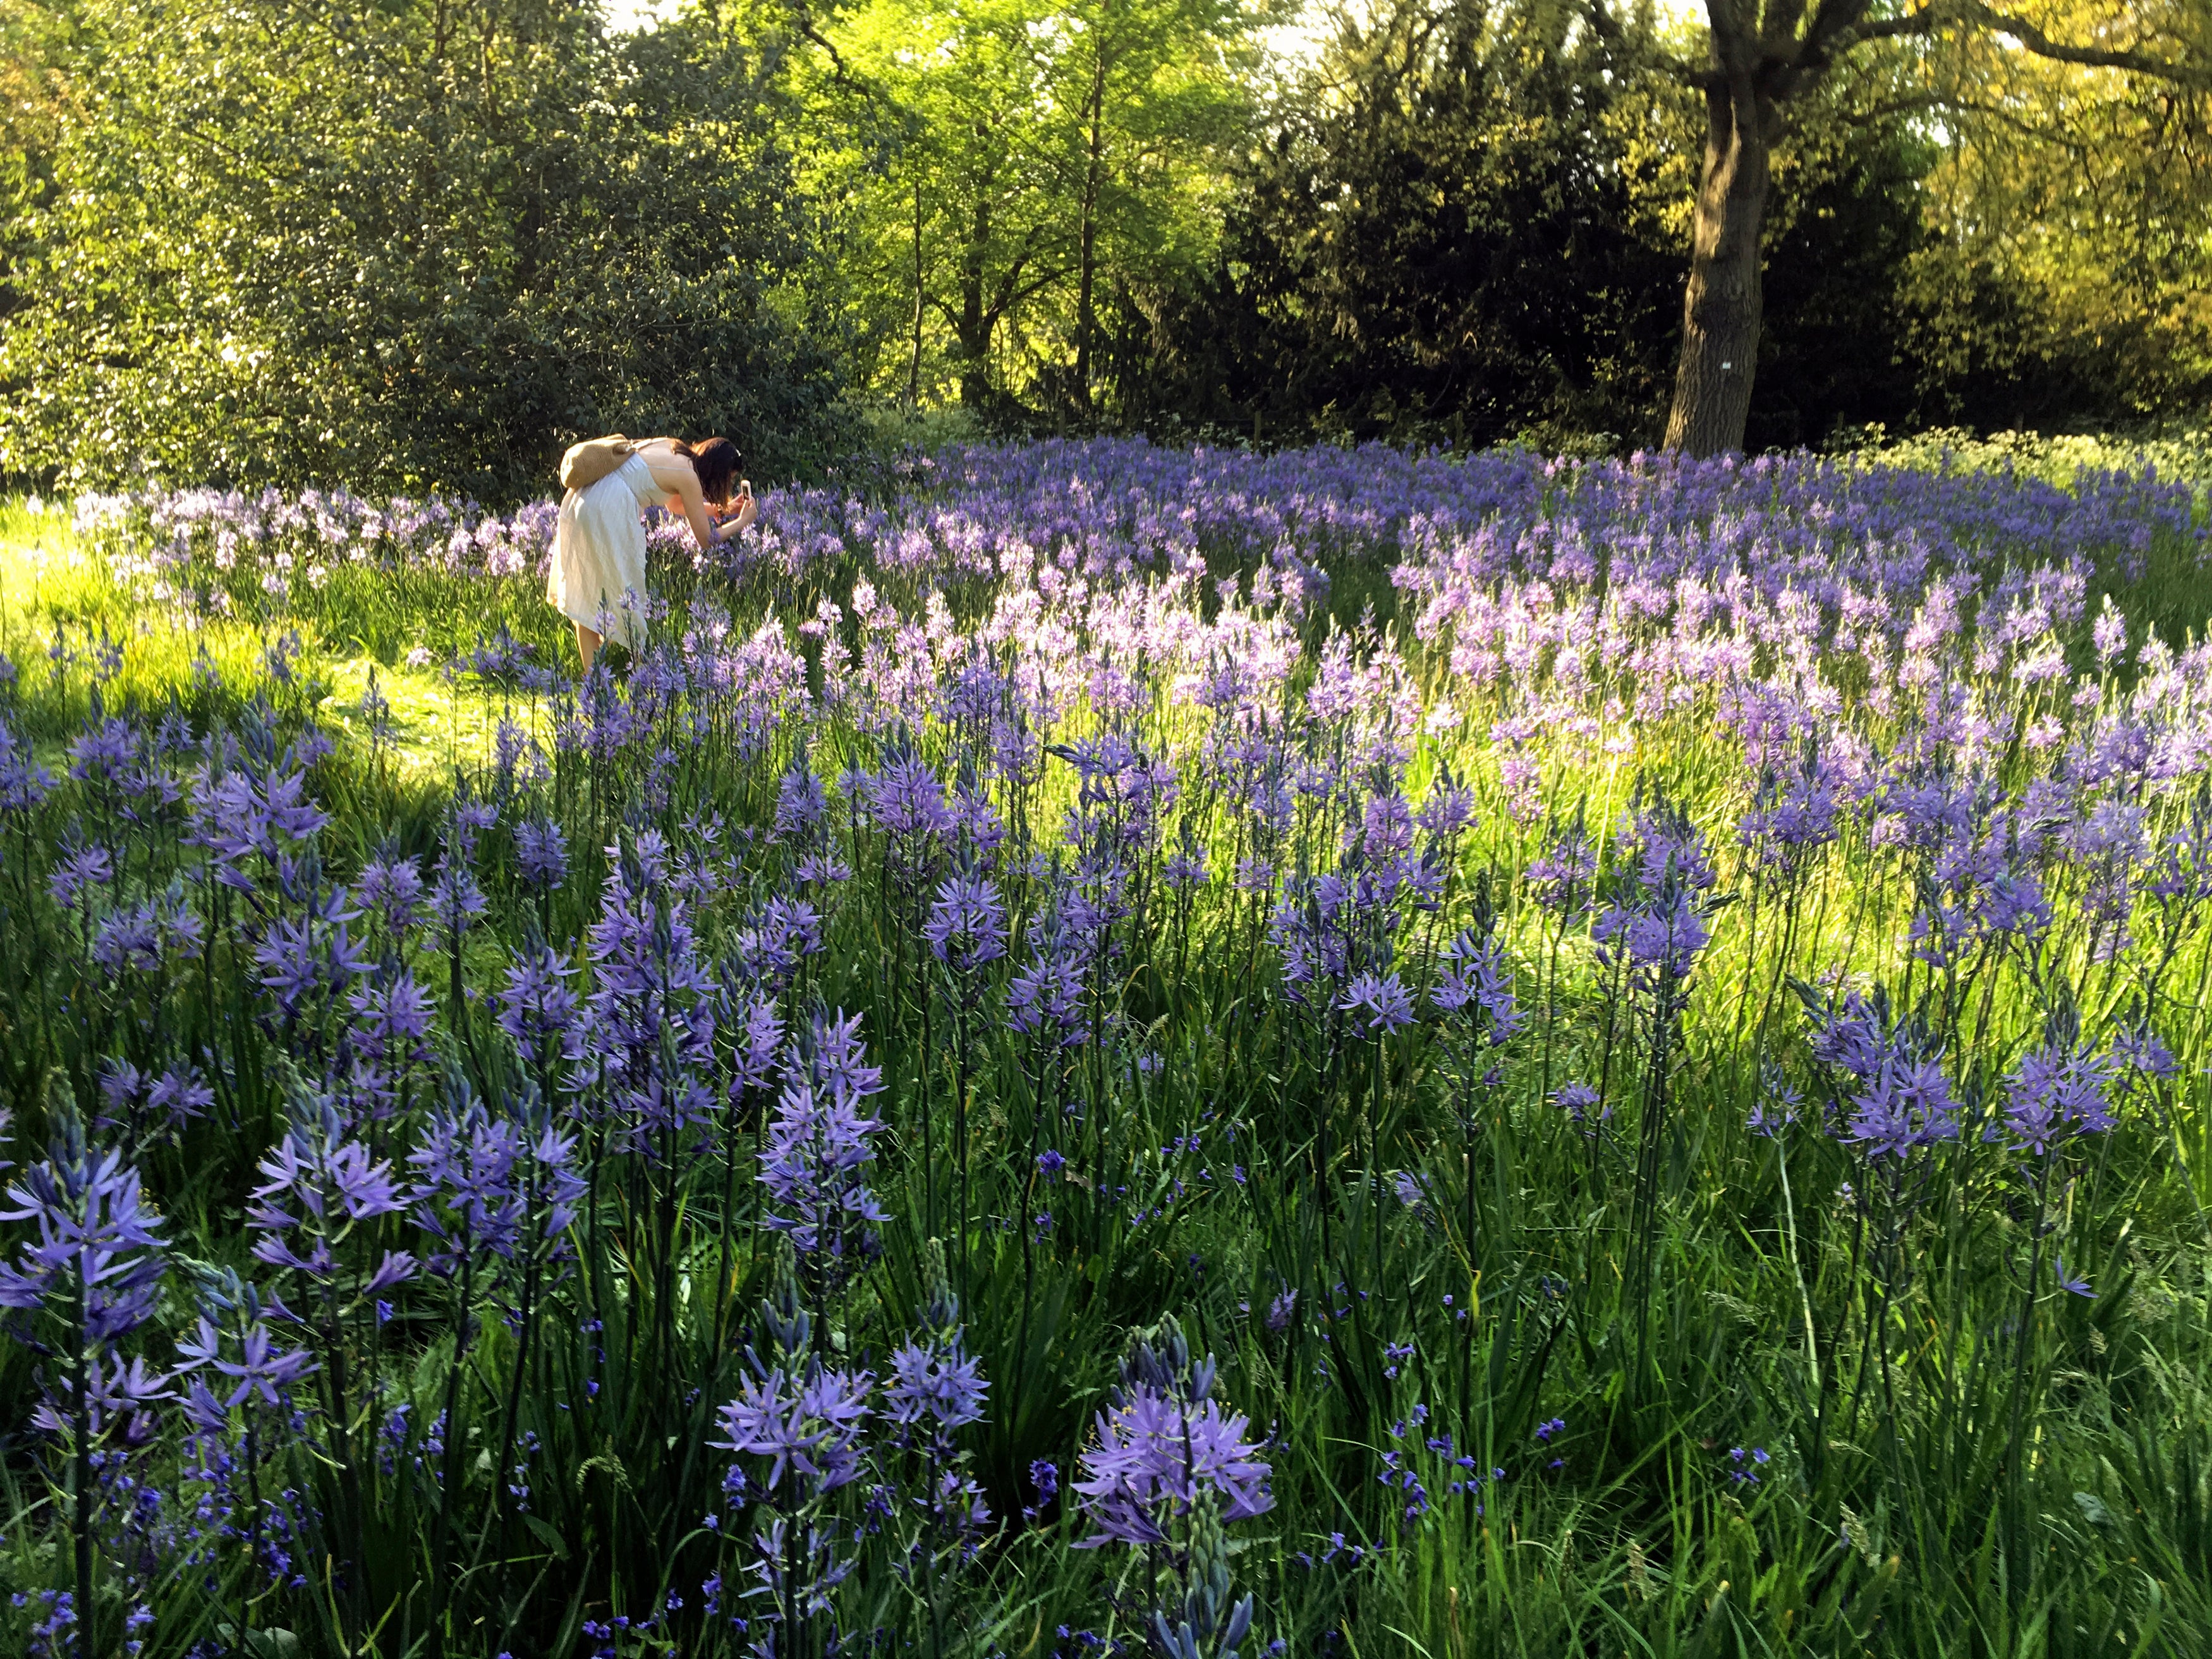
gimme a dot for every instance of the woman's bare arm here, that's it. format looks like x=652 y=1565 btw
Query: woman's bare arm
x=690 y=502
x=676 y=474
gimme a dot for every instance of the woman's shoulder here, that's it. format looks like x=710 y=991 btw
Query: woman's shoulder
x=664 y=458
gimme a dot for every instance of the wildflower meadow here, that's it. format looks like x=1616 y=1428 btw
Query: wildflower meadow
x=1097 y=1048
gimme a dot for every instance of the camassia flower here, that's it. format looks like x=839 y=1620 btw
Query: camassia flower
x=1380 y=1001
x=2055 y=1094
x=96 y=1248
x=91 y=1268
x=1903 y=1102
x=493 y=1184
x=320 y=1185
x=803 y=1416
x=541 y=852
x=1162 y=1441
x=816 y=1144
x=938 y=1381
x=231 y=1341
x=967 y=925
x=1658 y=915
x=1475 y=983
x=937 y=1388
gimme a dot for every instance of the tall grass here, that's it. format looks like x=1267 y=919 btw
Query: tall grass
x=1682 y=1364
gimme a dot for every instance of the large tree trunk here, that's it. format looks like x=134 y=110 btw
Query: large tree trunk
x=1720 y=310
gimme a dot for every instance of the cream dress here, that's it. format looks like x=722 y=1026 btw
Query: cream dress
x=598 y=574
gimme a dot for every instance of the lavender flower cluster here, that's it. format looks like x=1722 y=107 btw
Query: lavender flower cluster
x=727 y=1128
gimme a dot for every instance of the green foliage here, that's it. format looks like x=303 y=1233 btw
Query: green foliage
x=1436 y=241
x=1469 y=223
x=424 y=244
x=415 y=246
x=1046 y=157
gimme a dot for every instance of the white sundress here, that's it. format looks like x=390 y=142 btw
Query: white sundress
x=598 y=574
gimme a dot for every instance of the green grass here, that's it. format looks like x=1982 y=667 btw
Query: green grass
x=1903 y=1513
x=54 y=589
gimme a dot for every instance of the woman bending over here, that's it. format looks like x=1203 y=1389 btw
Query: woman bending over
x=597 y=576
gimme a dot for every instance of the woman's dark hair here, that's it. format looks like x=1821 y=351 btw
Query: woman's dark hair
x=716 y=460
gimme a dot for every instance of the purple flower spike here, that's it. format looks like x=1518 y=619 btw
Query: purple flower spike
x=816 y=1146
x=96 y=1248
x=92 y=1265
x=1383 y=1003
x=1161 y=1443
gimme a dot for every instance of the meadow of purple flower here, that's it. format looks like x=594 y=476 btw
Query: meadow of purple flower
x=1276 y=986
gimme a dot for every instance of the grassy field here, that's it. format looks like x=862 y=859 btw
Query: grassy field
x=1098 y=1050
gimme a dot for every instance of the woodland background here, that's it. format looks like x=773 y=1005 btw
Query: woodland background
x=424 y=244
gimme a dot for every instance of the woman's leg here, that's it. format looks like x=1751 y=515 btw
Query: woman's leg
x=587 y=645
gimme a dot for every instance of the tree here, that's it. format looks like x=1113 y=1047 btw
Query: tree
x=1765 y=56
x=415 y=243
x=2074 y=202
x=1437 y=242
x=1468 y=225
x=1051 y=151
x=1149 y=95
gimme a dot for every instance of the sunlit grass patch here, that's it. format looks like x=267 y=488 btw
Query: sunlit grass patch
x=62 y=610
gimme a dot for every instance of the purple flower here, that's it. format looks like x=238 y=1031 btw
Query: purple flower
x=94 y=1258
x=541 y=852
x=314 y=956
x=1474 y=974
x=2055 y=1094
x=967 y=925
x=1045 y=995
x=1162 y=1444
x=1742 y=1468
x=392 y=888
x=943 y=1383
x=805 y=1419
x=78 y=873
x=537 y=1008
x=906 y=799
x=816 y=1146
x=1903 y=1102
x=801 y=801
x=92 y=1265
x=24 y=784
x=1384 y=1003
x=469 y=1196
x=234 y=1321
x=1658 y=913
x=319 y=1187
x=1576 y=1099
x=1153 y=1457
x=1560 y=880
x=1667 y=936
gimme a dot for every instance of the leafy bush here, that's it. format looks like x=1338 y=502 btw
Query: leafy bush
x=384 y=252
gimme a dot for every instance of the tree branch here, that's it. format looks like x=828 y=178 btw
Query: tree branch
x=1940 y=14
x=838 y=69
x=2034 y=40
x=1606 y=28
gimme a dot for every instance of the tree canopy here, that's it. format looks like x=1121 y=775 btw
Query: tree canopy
x=425 y=243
